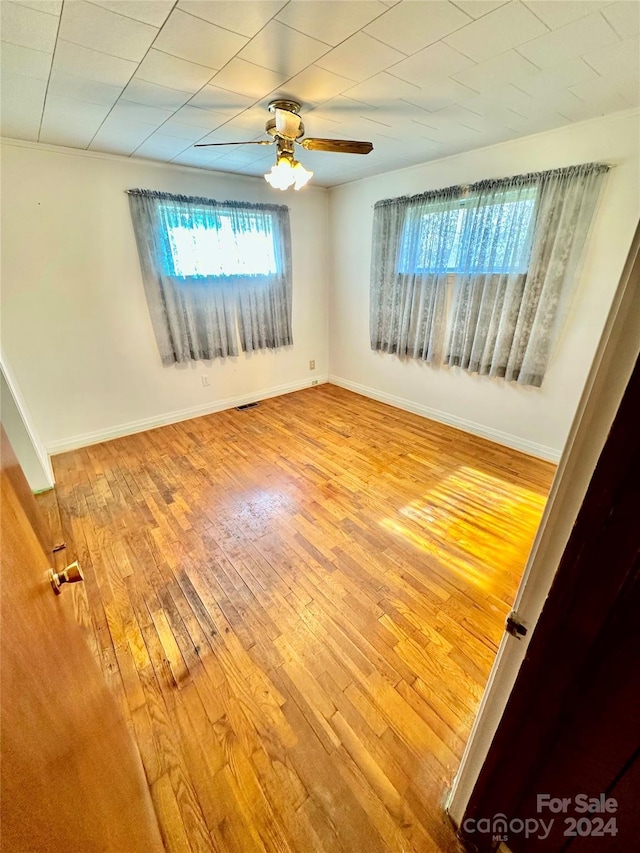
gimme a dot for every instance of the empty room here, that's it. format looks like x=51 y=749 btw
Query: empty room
x=320 y=323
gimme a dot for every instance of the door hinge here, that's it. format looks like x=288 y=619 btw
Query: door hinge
x=514 y=626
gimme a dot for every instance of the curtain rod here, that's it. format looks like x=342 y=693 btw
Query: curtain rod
x=462 y=190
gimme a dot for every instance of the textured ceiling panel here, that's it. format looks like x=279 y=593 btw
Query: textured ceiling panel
x=420 y=79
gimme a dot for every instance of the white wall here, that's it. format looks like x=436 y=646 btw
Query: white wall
x=26 y=445
x=76 y=329
x=535 y=420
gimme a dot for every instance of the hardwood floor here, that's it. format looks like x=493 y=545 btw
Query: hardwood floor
x=297 y=606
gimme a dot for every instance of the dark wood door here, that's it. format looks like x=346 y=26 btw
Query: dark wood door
x=572 y=723
x=71 y=776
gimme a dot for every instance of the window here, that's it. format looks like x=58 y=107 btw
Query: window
x=508 y=222
x=199 y=250
x=481 y=278
x=213 y=271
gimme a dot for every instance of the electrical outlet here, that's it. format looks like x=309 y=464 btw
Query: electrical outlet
x=314 y=381
x=312 y=364
x=205 y=379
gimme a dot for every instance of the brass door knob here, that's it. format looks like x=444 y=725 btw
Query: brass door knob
x=71 y=574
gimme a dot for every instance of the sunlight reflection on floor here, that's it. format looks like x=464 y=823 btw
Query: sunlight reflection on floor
x=476 y=524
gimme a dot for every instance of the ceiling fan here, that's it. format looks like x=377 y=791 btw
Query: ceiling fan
x=287 y=130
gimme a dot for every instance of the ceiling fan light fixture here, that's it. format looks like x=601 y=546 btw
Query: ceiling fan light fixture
x=301 y=175
x=288 y=172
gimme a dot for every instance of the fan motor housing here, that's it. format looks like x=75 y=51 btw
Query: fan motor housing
x=271 y=129
x=289 y=106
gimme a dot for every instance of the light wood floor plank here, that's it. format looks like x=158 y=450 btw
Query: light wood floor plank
x=298 y=606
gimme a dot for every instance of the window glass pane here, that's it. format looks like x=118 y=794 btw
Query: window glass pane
x=429 y=237
x=492 y=237
x=497 y=235
x=219 y=244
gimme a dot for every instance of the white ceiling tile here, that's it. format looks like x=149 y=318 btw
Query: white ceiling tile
x=152 y=95
x=494 y=107
x=199 y=157
x=51 y=7
x=411 y=26
x=567 y=42
x=338 y=111
x=559 y=76
x=153 y=12
x=68 y=127
x=433 y=63
x=537 y=123
x=252 y=119
x=238 y=155
x=251 y=123
x=22 y=60
x=439 y=94
x=84 y=62
x=600 y=101
x=406 y=122
x=599 y=90
x=231 y=132
x=183 y=131
x=198 y=41
x=92 y=26
x=410 y=108
x=446 y=131
x=28 y=27
x=366 y=126
x=70 y=109
x=467 y=118
x=162 y=147
x=83 y=89
x=628 y=88
x=29 y=91
x=331 y=21
x=248 y=79
x=315 y=85
x=496 y=72
x=220 y=100
x=246 y=18
x=18 y=123
x=175 y=73
x=558 y=13
x=76 y=135
x=120 y=137
x=381 y=88
x=125 y=111
x=359 y=57
x=624 y=17
x=283 y=50
x=317 y=124
x=509 y=26
x=621 y=59
x=554 y=100
x=206 y=119
x=478 y=8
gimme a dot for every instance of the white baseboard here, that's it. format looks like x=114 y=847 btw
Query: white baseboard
x=88 y=438
x=550 y=454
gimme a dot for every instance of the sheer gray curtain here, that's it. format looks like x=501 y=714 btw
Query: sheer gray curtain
x=204 y=263
x=413 y=239
x=264 y=303
x=503 y=253
x=520 y=245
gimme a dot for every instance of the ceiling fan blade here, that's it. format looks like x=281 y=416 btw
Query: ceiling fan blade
x=288 y=124
x=340 y=146
x=250 y=142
